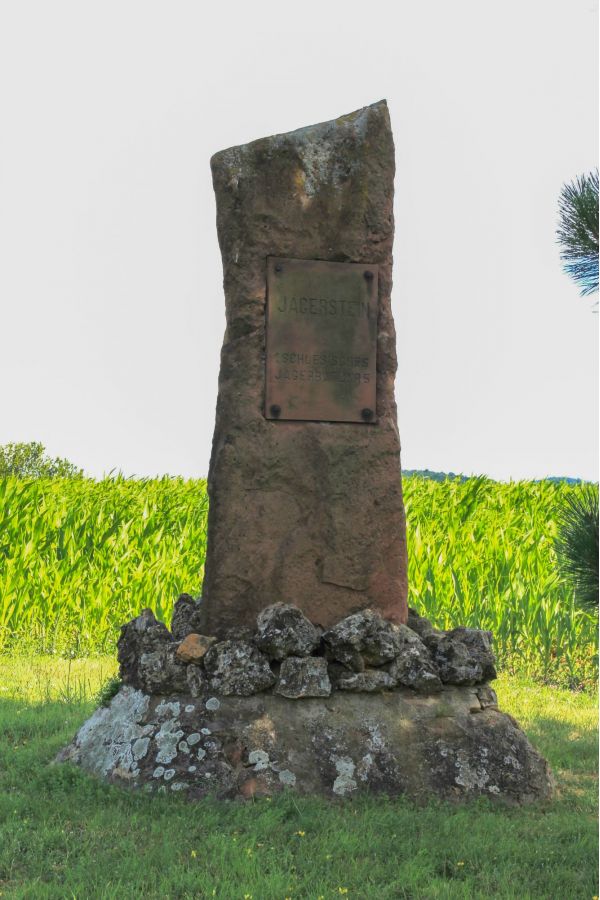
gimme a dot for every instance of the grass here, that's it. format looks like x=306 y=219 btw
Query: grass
x=65 y=835
x=80 y=557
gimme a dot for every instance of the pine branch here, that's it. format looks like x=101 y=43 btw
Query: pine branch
x=578 y=231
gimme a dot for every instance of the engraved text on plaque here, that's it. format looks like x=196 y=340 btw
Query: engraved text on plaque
x=321 y=340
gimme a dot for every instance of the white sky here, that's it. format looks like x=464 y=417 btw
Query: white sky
x=112 y=311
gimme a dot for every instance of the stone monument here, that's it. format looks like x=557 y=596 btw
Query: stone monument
x=301 y=667
x=304 y=481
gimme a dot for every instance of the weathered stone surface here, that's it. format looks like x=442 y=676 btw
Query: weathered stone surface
x=194 y=647
x=197 y=681
x=283 y=630
x=399 y=742
x=368 y=681
x=479 y=643
x=187 y=617
x=486 y=696
x=159 y=671
x=413 y=666
x=150 y=659
x=419 y=624
x=303 y=677
x=237 y=667
x=308 y=512
x=144 y=634
x=462 y=656
x=364 y=638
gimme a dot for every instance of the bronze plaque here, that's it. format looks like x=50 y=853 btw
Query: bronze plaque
x=321 y=340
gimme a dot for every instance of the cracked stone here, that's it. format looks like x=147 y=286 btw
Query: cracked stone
x=362 y=639
x=283 y=630
x=413 y=666
x=369 y=681
x=237 y=667
x=419 y=624
x=187 y=617
x=462 y=656
x=144 y=634
x=303 y=677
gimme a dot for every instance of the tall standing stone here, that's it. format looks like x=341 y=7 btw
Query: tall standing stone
x=308 y=513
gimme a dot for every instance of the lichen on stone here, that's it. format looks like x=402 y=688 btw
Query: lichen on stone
x=345 y=782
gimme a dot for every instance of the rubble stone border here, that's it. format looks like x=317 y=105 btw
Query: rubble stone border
x=288 y=655
x=365 y=706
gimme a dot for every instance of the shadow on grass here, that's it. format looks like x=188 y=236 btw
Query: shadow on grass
x=564 y=744
x=64 y=833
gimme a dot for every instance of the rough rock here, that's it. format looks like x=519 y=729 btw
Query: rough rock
x=447 y=745
x=303 y=677
x=194 y=647
x=187 y=617
x=479 y=643
x=144 y=634
x=283 y=630
x=413 y=666
x=196 y=680
x=368 y=681
x=486 y=696
x=237 y=667
x=364 y=638
x=419 y=624
x=462 y=656
x=306 y=511
x=161 y=672
x=150 y=659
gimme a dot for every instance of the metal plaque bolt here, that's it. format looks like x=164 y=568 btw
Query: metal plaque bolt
x=367 y=414
x=278 y=268
x=275 y=411
x=368 y=275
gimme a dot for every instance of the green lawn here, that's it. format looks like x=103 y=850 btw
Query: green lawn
x=65 y=835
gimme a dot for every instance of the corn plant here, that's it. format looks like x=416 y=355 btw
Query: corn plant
x=481 y=553
x=80 y=557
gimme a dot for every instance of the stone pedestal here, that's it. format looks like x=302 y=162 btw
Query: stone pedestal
x=453 y=745
x=303 y=512
x=368 y=706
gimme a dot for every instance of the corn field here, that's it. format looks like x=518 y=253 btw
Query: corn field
x=80 y=557
x=481 y=554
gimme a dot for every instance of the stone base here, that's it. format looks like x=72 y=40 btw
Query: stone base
x=454 y=745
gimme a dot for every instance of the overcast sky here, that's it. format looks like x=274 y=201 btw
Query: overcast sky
x=111 y=300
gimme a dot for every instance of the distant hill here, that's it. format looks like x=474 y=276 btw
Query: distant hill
x=565 y=479
x=442 y=476
x=435 y=476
